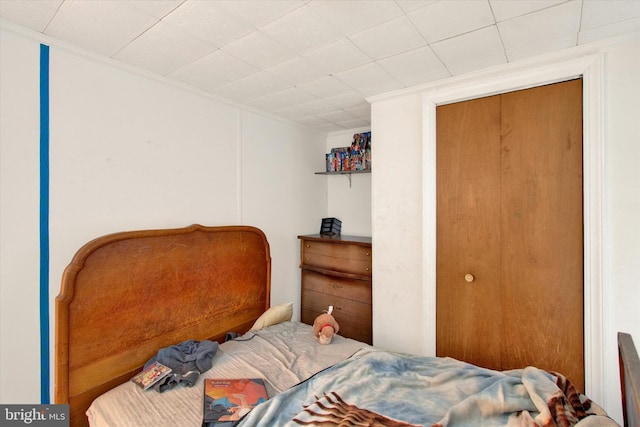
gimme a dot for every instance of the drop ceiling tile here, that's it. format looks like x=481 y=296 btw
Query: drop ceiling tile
x=296 y=71
x=256 y=13
x=325 y=87
x=362 y=110
x=409 y=5
x=337 y=116
x=612 y=30
x=213 y=70
x=301 y=30
x=34 y=15
x=415 y=67
x=446 y=19
x=156 y=8
x=350 y=99
x=251 y=87
x=507 y=9
x=544 y=46
x=316 y=107
x=258 y=50
x=541 y=31
x=280 y=100
x=204 y=20
x=336 y=57
x=370 y=79
x=317 y=123
x=387 y=39
x=472 y=51
x=163 y=49
x=351 y=16
x=600 y=13
x=104 y=27
x=291 y=113
x=353 y=123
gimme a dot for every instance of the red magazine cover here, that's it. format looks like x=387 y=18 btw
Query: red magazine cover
x=228 y=400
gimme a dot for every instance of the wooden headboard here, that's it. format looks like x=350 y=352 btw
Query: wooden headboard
x=629 y=380
x=126 y=295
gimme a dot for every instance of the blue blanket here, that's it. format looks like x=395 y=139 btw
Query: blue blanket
x=382 y=388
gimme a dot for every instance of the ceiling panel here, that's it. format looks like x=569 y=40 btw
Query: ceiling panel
x=30 y=14
x=542 y=31
x=326 y=87
x=507 y=9
x=297 y=71
x=444 y=19
x=335 y=57
x=352 y=16
x=315 y=61
x=259 y=50
x=163 y=48
x=252 y=86
x=213 y=70
x=207 y=22
x=472 y=51
x=104 y=27
x=301 y=30
x=415 y=67
x=387 y=39
x=598 y=14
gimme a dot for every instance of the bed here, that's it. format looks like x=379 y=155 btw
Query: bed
x=127 y=295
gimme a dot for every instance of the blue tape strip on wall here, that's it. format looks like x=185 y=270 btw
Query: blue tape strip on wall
x=44 y=226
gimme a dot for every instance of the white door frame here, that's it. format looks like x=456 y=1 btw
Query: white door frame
x=591 y=69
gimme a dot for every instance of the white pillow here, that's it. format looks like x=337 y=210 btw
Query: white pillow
x=274 y=315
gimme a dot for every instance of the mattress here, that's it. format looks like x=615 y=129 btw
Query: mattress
x=283 y=355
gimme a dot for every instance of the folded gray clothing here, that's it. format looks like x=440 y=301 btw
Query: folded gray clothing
x=187 y=361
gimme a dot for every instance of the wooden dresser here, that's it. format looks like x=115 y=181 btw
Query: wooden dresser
x=337 y=271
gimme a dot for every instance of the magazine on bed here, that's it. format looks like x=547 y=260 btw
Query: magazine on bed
x=154 y=373
x=228 y=400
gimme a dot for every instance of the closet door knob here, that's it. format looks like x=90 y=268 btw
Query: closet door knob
x=469 y=277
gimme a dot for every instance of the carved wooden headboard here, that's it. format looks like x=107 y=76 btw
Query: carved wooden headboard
x=126 y=295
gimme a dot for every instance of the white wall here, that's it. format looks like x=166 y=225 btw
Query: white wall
x=351 y=204
x=19 y=218
x=281 y=195
x=132 y=151
x=398 y=301
x=400 y=189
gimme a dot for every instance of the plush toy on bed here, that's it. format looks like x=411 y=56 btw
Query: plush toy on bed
x=325 y=326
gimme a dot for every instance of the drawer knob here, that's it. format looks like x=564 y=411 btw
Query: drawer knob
x=469 y=277
x=367 y=253
x=367 y=269
x=308 y=245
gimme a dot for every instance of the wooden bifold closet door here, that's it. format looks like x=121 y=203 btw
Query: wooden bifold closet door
x=510 y=230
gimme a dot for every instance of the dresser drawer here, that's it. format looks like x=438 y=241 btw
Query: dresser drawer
x=353 y=317
x=337 y=272
x=344 y=251
x=352 y=259
x=358 y=290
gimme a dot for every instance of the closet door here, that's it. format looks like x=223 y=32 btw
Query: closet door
x=468 y=232
x=529 y=306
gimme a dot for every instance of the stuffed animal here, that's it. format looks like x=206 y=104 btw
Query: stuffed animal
x=324 y=327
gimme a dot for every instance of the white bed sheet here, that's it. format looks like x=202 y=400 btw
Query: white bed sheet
x=283 y=355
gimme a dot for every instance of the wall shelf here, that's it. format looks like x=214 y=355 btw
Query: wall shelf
x=347 y=173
